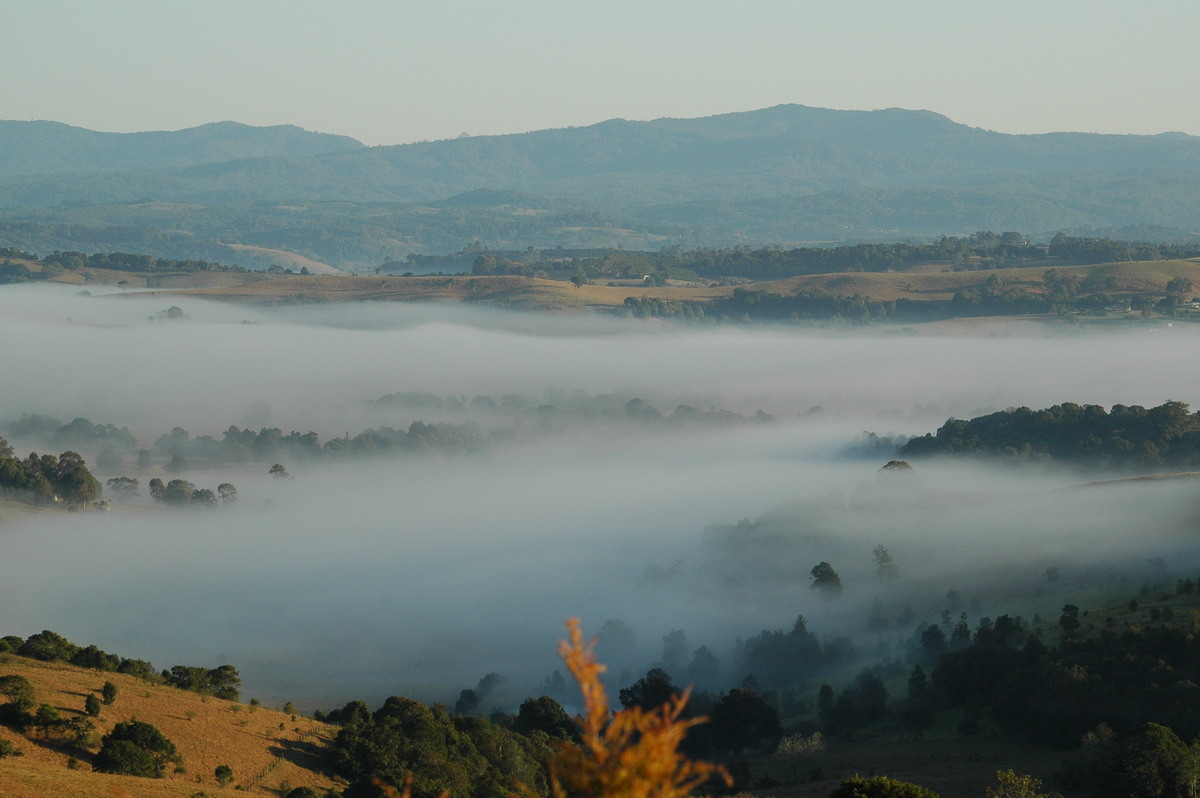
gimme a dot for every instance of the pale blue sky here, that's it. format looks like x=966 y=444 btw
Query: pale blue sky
x=394 y=72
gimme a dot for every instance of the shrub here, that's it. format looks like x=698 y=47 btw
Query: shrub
x=224 y=774
x=91 y=705
x=109 y=691
x=635 y=752
x=134 y=748
x=880 y=787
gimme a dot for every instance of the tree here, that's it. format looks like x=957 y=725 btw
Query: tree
x=649 y=692
x=1150 y=763
x=74 y=483
x=91 y=705
x=109 y=692
x=135 y=748
x=279 y=472
x=227 y=493
x=224 y=775
x=1069 y=621
x=203 y=497
x=545 y=715
x=704 y=670
x=178 y=493
x=741 y=719
x=885 y=567
x=157 y=489
x=19 y=691
x=675 y=649
x=825 y=580
x=48 y=646
x=122 y=487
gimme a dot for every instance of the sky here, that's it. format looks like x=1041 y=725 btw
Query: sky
x=398 y=71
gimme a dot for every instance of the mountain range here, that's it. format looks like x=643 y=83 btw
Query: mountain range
x=782 y=175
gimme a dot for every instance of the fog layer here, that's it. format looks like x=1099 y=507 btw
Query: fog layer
x=418 y=574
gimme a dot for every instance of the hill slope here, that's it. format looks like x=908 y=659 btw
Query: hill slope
x=48 y=148
x=265 y=748
x=785 y=174
x=787 y=150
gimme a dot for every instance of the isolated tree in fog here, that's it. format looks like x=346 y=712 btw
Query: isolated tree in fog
x=704 y=670
x=122 y=487
x=825 y=580
x=279 y=472
x=227 y=493
x=885 y=567
x=675 y=649
x=1069 y=621
x=649 y=692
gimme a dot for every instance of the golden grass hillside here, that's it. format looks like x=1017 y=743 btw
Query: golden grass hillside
x=267 y=749
x=557 y=295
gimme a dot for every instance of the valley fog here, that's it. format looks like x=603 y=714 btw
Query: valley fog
x=417 y=574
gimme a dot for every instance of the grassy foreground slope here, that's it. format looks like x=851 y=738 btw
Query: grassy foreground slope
x=265 y=748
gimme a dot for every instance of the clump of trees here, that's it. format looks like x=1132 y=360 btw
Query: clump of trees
x=466 y=756
x=45 y=479
x=1125 y=437
x=181 y=493
x=791 y=659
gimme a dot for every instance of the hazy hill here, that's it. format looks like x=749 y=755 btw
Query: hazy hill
x=780 y=175
x=51 y=148
x=785 y=150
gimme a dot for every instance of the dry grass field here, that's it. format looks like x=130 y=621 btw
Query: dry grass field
x=930 y=282
x=531 y=293
x=267 y=749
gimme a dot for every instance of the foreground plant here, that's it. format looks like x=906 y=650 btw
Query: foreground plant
x=630 y=754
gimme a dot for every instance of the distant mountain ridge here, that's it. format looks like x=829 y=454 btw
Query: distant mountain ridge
x=789 y=173
x=52 y=148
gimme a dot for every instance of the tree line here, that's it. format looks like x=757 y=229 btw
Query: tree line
x=981 y=250
x=47 y=646
x=1123 y=438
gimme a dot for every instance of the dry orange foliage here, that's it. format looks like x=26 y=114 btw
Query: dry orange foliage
x=629 y=754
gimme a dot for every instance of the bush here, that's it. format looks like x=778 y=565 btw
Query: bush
x=134 y=748
x=91 y=705
x=127 y=758
x=303 y=792
x=880 y=787
x=224 y=775
x=109 y=691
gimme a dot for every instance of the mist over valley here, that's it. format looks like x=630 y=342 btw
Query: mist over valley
x=585 y=489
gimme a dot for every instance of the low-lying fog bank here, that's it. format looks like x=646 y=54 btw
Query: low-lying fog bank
x=420 y=574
